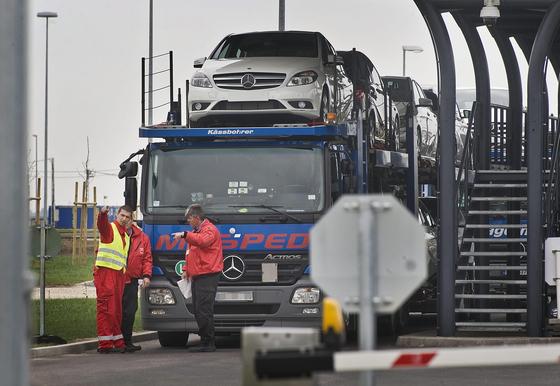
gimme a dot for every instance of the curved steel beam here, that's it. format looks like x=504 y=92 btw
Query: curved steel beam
x=535 y=85
x=482 y=80
x=515 y=113
x=447 y=250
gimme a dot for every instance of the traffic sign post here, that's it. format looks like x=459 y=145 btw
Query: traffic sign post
x=359 y=258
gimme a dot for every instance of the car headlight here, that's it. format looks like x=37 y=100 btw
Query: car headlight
x=306 y=295
x=160 y=296
x=200 y=80
x=303 y=78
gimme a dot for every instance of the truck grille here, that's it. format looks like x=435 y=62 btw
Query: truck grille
x=249 y=105
x=288 y=271
x=263 y=80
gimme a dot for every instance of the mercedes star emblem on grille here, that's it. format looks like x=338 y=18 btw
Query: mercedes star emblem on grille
x=233 y=267
x=248 y=81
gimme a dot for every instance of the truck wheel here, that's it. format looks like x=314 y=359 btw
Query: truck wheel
x=173 y=339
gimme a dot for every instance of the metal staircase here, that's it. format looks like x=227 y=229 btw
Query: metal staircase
x=491 y=269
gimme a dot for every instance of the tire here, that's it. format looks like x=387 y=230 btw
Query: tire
x=173 y=339
x=324 y=108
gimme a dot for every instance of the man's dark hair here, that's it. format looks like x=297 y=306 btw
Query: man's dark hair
x=126 y=208
x=196 y=211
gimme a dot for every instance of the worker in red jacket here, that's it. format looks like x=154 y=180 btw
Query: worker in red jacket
x=204 y=265
x=108 y=278
x=138 y=273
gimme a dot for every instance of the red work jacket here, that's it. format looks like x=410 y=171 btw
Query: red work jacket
x=139 y=263
x=204 y=254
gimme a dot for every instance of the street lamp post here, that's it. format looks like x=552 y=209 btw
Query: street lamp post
x=415 y=49
x=46 y=16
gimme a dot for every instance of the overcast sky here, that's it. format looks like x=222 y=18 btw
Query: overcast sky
x=94 y=68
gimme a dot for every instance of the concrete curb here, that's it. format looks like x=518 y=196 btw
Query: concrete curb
x=429 y=339
x=80 y=347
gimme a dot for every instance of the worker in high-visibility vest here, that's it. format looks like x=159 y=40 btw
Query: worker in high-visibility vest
x=108 y=278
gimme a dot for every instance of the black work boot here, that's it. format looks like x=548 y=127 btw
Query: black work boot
x=205 y=346
x=132 y=347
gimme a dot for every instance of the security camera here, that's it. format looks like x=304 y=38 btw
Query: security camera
x=490 y=13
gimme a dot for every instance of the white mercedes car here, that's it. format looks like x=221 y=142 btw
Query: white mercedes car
x=267 y=78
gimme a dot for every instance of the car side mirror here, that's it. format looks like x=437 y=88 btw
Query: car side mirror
x=128 y=169
x=425 y=102
x=131 y=192
x=199 y=62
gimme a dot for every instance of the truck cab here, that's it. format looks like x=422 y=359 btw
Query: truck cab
x=263 y=188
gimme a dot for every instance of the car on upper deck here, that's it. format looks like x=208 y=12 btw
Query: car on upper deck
x=267 y=78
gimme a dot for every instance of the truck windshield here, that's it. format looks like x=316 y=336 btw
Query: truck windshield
x=223 y=180
x=268 y=45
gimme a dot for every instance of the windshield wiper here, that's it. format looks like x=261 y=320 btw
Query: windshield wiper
x=269 y=207
x=212 y=219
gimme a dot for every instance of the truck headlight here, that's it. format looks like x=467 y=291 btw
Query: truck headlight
x=303 y=78
x=200 y=80
x=306 y=295
x=160 y=296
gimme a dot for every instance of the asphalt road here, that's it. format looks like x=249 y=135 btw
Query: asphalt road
x=156 y=366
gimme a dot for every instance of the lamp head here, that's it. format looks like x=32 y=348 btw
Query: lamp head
x=416 y=49
x=47 y=14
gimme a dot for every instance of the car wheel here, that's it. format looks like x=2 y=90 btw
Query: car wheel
x=173 y=338
x=324 y=109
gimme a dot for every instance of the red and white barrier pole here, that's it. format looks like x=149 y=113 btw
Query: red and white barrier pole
x=447 y=357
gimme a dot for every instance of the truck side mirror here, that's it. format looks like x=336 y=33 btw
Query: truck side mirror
x=466 y=113
x=199 y=62
x=425 y=102
x=128 y=169
x=131 y=192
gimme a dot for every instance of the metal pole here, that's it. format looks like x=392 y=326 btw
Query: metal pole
x=535 y=120
x=45 y=191
x=368 y=264
x=403 y=62
x=15 y=282
x=448 y=237
x=151 y=65
x=281 y=15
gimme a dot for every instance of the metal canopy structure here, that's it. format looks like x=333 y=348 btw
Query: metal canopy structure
x=534 y=24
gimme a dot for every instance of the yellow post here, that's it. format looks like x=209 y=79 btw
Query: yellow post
x=82 y=225
x=95 y=214
x=74 y=222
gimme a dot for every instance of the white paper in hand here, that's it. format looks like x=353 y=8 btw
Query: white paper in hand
x=185 y=287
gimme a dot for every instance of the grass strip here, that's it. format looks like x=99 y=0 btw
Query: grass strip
x=70 y=319
x=61 y=272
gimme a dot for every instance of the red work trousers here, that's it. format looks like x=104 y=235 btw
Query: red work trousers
x=109 y=286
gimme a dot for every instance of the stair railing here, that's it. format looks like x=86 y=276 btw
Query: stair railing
x=468 y=165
